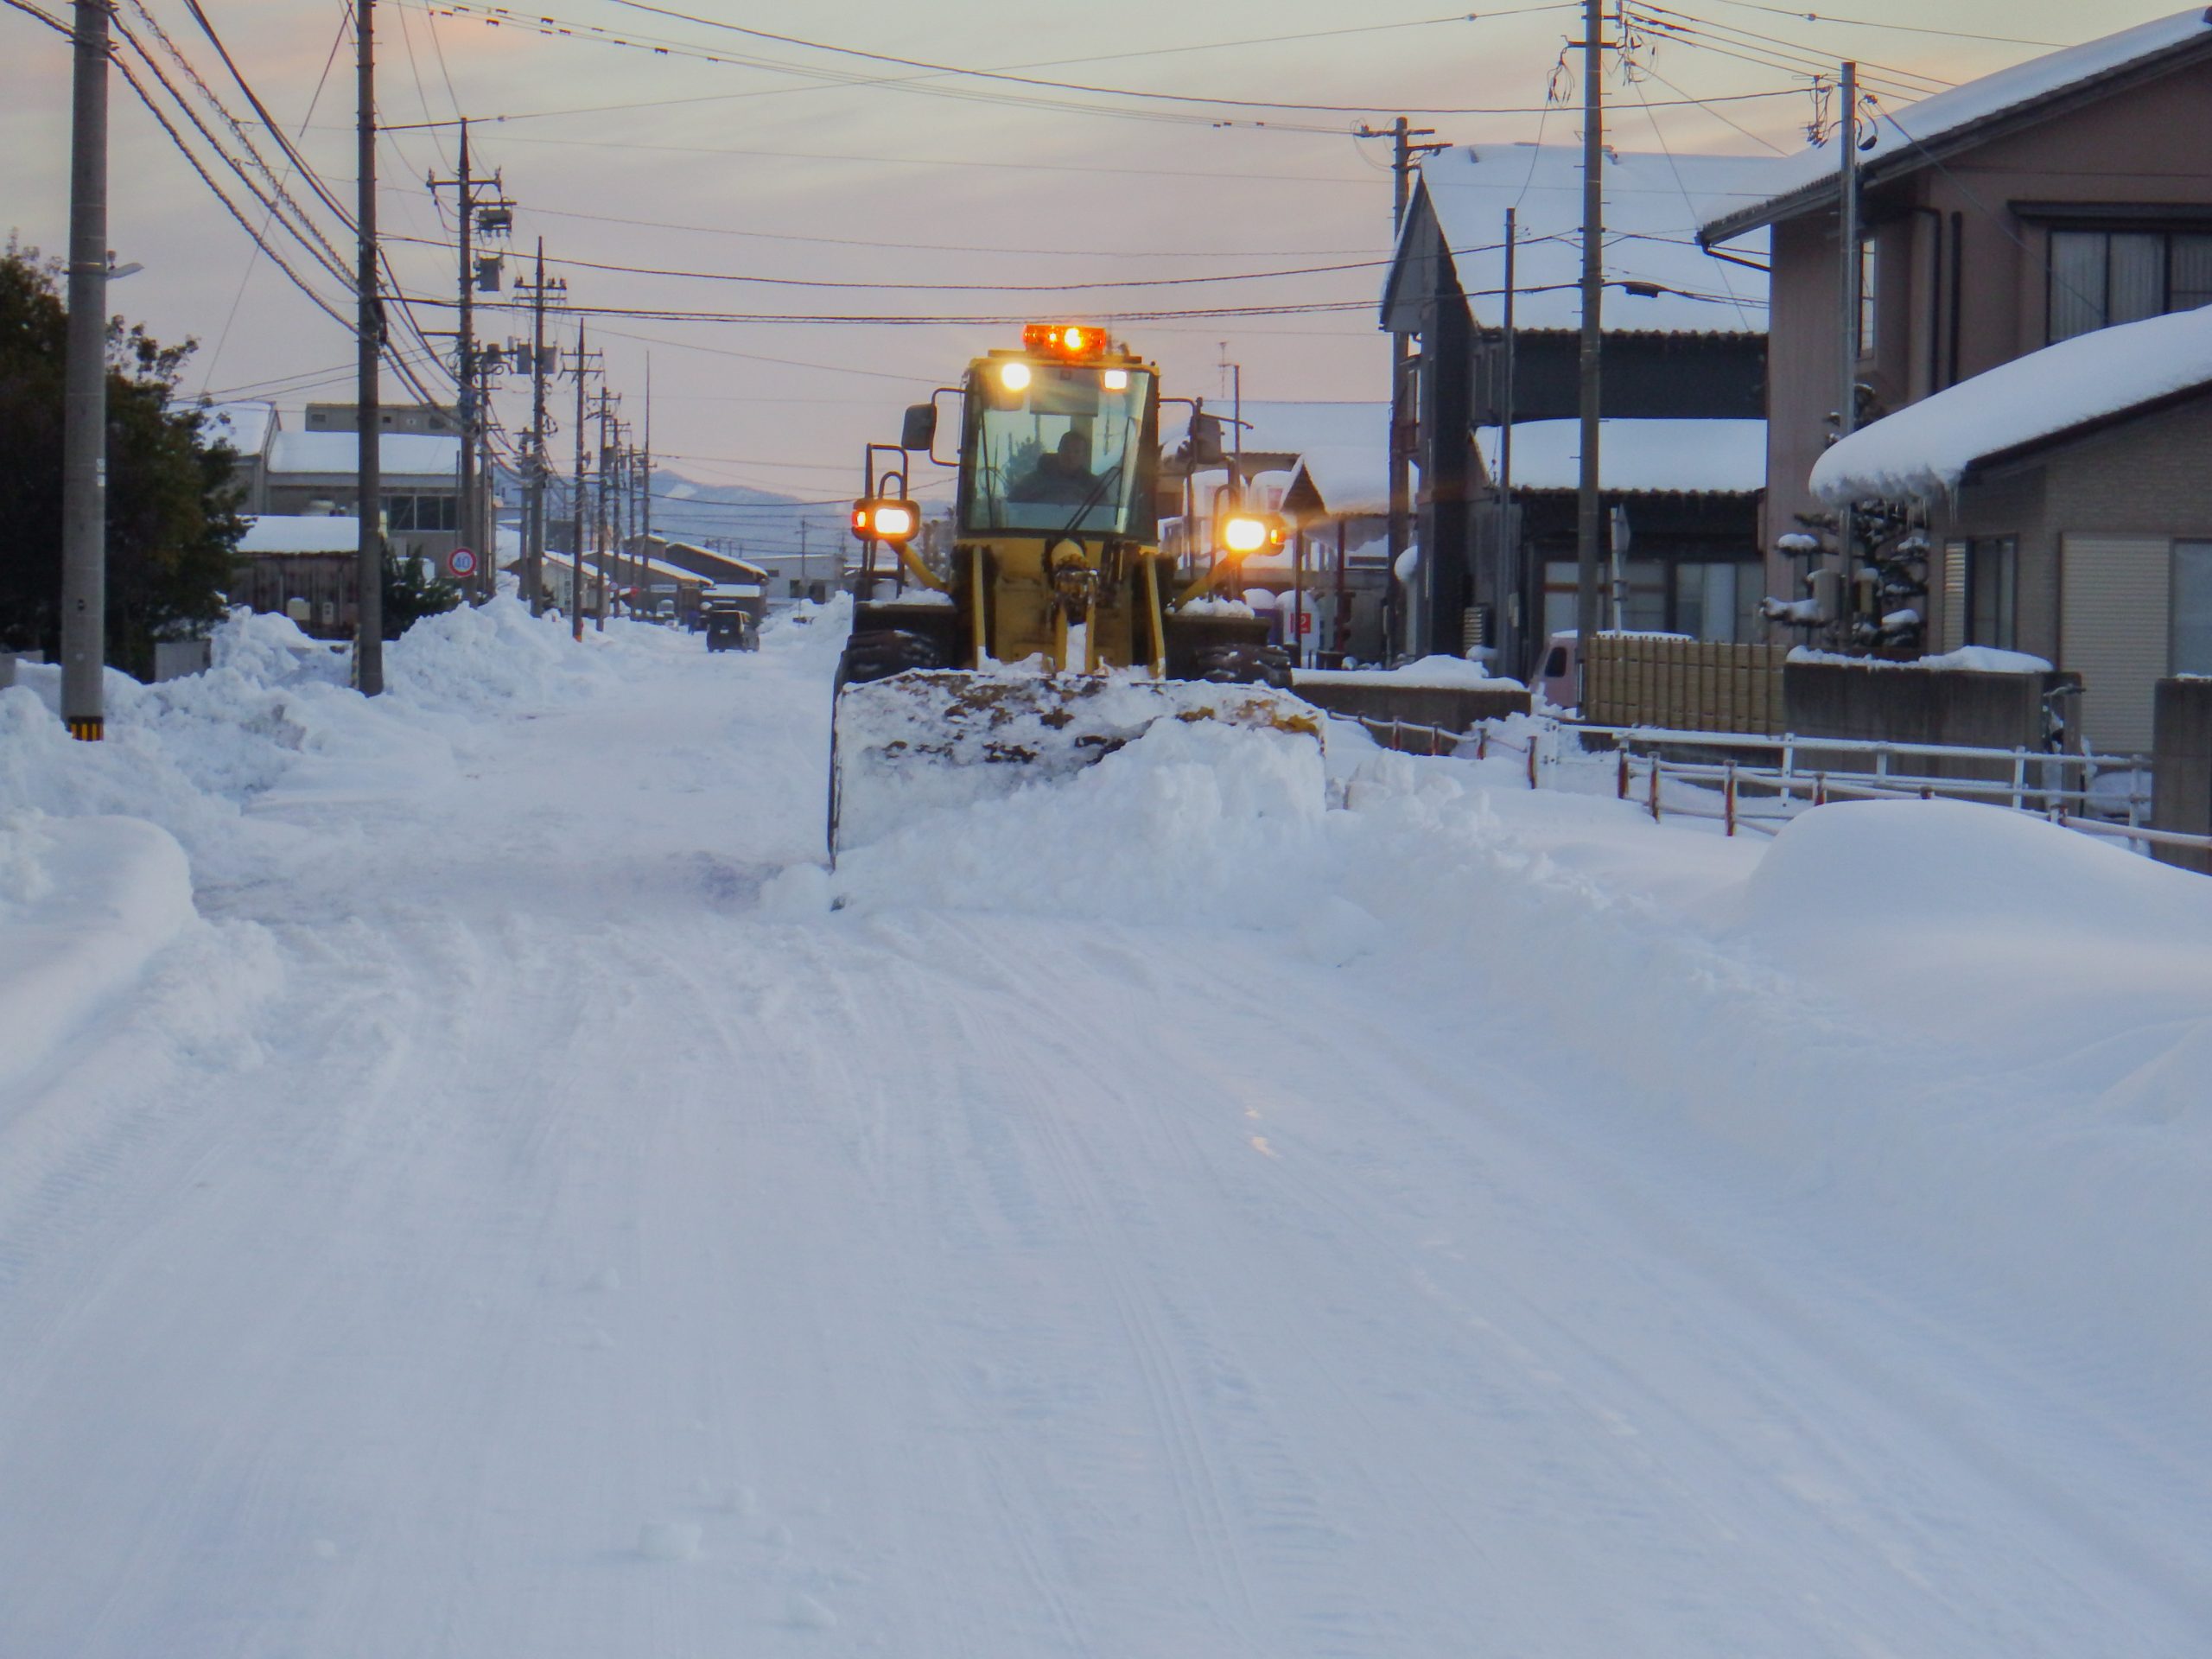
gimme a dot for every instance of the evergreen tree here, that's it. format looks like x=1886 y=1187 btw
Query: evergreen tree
x=172 y=524
x=409 y=596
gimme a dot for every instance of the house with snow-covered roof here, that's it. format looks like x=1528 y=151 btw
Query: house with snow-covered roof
x=1682 y=370
x=2067 y=501
x=2064 y=196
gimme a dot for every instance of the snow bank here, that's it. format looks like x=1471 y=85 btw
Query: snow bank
x=1974 y=660
x=84 y=904
x=1191 y=821
x=276 y=706
x=1923 y=450
x=1937 y=1023
x=1428 y=671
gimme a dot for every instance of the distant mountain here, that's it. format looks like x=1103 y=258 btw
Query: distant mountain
x=746 y=520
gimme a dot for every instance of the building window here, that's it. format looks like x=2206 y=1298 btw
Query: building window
x=2191 y=609
x=1992 y=592
x=1869 y=270
x=2098 y=278
x=419 y=512
x=1716 y=600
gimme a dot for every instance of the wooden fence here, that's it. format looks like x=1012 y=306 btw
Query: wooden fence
x=1686 y=684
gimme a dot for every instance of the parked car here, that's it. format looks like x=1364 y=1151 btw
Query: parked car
x=1558 y=678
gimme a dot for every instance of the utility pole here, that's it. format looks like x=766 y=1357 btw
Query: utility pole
x=497 y=216
x=1509 y=561
x=1589 y=521
x=533 y=533
x=1847 y=413
x=803 y=572
x=645 y=481
x=1406 y=151
x=84 y=425
x=577 y=588
x=599 y=517
x=368 y=483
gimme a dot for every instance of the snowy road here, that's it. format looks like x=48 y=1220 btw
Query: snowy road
x=520 y=1222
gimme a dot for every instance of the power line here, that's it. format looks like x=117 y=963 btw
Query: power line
x=50 y=21
x=1650 y=16
x=669 y=315
x=983 y=288
x=948 y=247
x=206 y=178
x=557 y=28
x=1054 y=85
x=1898 y=28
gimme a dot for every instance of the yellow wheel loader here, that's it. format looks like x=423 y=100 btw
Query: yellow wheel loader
x=1055 y=630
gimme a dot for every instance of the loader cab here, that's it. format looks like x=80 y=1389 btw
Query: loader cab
x=1059 y=441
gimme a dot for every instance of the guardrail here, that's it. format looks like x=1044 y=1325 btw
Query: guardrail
x=2052 y=793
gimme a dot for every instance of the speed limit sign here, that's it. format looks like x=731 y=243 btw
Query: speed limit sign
x=461 y=562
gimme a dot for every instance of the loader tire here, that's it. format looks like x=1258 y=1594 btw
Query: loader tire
x=1243 y=664
x=881 y=652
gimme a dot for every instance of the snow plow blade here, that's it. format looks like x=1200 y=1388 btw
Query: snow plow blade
x=925 y=741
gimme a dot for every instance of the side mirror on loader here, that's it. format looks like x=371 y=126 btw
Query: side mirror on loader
x=918 y=431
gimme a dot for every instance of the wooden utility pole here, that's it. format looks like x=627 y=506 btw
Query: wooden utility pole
x=84 y=421
x=1589 y=519
x=577 y=589
x=492 y=216
x=1847 y=413
x=1406 y=151
x=540 y=465
x=1514 y=580
x=368 y=606
x=599 y=517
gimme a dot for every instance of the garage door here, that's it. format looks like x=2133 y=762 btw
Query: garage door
x=2112 y=631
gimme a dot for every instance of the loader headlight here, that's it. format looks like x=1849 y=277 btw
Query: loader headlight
x=1116 y=379
x=1247 y=532
x=878 y=519
x=1014 y=376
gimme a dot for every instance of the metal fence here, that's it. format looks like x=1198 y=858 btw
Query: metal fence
x=1800 y=772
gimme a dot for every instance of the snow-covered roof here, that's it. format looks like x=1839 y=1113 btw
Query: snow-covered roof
x=1645 y=457
x=276 y=532
x=1901 y=139
x=1341 y=450
x=728 y=560
x=1653 y=205
x=1925 y=448
x=244 y=427
x=400 y=454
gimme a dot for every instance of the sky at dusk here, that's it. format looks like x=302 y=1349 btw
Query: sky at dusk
x=727 y=154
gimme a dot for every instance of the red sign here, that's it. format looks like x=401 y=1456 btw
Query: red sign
x=461 y=563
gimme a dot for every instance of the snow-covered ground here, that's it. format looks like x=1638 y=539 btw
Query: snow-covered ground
x=471 y=1182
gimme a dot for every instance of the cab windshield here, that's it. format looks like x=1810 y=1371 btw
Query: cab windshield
x=1065 y=452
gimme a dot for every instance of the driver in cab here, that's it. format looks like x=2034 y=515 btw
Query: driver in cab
x=1061 y=474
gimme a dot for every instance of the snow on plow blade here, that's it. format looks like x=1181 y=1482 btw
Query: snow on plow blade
x=925 y=741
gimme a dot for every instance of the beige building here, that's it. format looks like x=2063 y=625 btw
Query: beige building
x=2064 y=195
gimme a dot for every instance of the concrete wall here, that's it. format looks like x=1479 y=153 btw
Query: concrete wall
x=1884 y=702
x=2182 y=790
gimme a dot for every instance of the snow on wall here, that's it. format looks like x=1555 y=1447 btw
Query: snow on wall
x=1923 y=450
